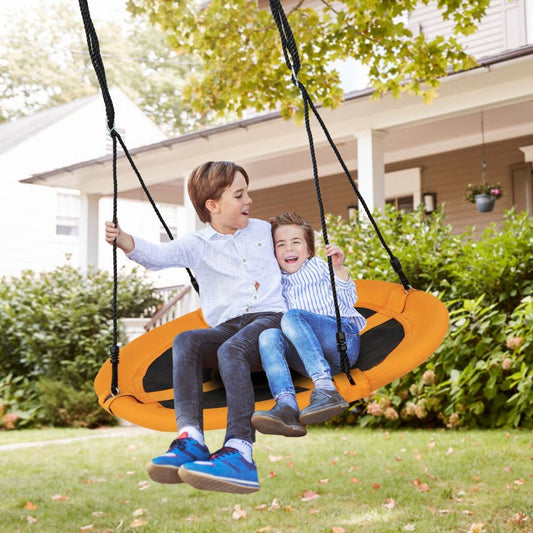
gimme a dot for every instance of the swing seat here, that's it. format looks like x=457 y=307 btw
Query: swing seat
x=403 y=329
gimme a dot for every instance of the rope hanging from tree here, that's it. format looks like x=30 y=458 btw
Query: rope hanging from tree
x=292 y=59
x=96 y=59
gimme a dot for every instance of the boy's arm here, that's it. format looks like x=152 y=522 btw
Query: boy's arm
x=124 y=240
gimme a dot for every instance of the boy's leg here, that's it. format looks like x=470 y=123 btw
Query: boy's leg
x=192 y=350
x=232 y=468
x=282 y=419
x=314 y=337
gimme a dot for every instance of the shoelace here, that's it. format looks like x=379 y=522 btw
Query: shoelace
x=224 y=451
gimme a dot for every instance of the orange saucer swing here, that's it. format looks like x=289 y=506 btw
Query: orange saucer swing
x=404 y=326
x=396 y=340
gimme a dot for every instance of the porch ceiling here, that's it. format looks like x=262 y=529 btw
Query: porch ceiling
x=275 y=151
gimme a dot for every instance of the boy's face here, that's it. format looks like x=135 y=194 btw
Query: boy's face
x=231 y=211
x=290 y=247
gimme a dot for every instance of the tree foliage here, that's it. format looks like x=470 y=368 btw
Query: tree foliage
x=243 y=68
x=44 y=62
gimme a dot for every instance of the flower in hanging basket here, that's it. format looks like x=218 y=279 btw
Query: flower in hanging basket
x=472 y=190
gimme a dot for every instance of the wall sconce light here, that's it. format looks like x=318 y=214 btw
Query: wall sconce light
x=352 y=212
x=430 y=201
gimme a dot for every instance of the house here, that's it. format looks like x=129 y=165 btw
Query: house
x=398 y=150
x=40 y=226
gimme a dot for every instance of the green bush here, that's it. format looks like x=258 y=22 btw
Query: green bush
x=62 y=405
x=58 y=325
x=481 y=374
x=18 y=403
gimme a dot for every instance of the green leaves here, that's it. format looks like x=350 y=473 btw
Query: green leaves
x=57 y=325
x=242 y=65
x=483 y=371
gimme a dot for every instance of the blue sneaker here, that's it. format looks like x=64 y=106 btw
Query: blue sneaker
x=164 y=469
x=225 y=471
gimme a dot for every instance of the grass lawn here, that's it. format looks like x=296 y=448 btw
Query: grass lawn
x=332 y=480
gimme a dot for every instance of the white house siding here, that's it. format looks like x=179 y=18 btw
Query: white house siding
x=502 y=28
x=28 y=236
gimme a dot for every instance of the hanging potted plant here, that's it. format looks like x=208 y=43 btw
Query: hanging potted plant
x=483 y=195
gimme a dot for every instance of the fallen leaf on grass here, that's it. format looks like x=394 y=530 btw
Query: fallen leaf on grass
x=30 y=506
x=238 y=513
x=59 y=497
x=143 y=485
x=138 y=522
x=31 y=519
x=272 y=474
x=309 y=495
x=98 y=513
x=314 y=511
x=323 y=481
x=420 y=485
x=389 y=503
x=138 y=512
x=519 y=518
x=409 y=527
x=275 y=458
x=266 y=528
x=376 y=486
x=336 y=529
x=354 y=480
x=90 y=527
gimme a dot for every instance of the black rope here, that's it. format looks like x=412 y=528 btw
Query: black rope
x=292 y=59
x=96 y=59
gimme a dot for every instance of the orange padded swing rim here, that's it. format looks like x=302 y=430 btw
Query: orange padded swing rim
x=423 y=317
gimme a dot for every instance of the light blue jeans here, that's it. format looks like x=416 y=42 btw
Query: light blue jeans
x=307 y=343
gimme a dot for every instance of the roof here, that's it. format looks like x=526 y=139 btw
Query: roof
x=14 y=132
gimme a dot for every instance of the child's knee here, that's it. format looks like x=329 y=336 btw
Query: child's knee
x=268 y=338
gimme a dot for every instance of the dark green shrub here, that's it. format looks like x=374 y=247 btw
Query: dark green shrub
x=58 y=324
x=56 y=330
x=18 y=403
x=481 y=374
x=62 y=405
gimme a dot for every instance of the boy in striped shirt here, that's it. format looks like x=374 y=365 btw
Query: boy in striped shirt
x=306 y=341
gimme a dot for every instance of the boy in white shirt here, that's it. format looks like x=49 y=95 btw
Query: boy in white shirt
x=240 y=294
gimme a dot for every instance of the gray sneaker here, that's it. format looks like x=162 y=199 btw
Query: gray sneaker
x=282 y=419
x=324 y=404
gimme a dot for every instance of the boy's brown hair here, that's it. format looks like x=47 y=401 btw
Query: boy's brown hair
x=209 y=181
x=289 y=219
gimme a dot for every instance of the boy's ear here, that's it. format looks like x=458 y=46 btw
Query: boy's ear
x=211 y=206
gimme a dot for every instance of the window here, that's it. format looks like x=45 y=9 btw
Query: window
x=169 y=213
x=401 y=203
x=68 y=214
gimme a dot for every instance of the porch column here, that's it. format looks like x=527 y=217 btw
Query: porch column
x=371 y=168
x=192 y=223
x=88 y=230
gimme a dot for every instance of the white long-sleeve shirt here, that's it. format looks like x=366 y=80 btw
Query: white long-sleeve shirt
x=309 y=288
x=237 y=273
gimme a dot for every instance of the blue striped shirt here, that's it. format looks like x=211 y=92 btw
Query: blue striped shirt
x=310 y=289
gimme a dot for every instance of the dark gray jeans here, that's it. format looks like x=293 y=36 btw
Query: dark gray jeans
x=232 y=348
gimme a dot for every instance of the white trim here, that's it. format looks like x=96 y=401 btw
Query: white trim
x=528 y=152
